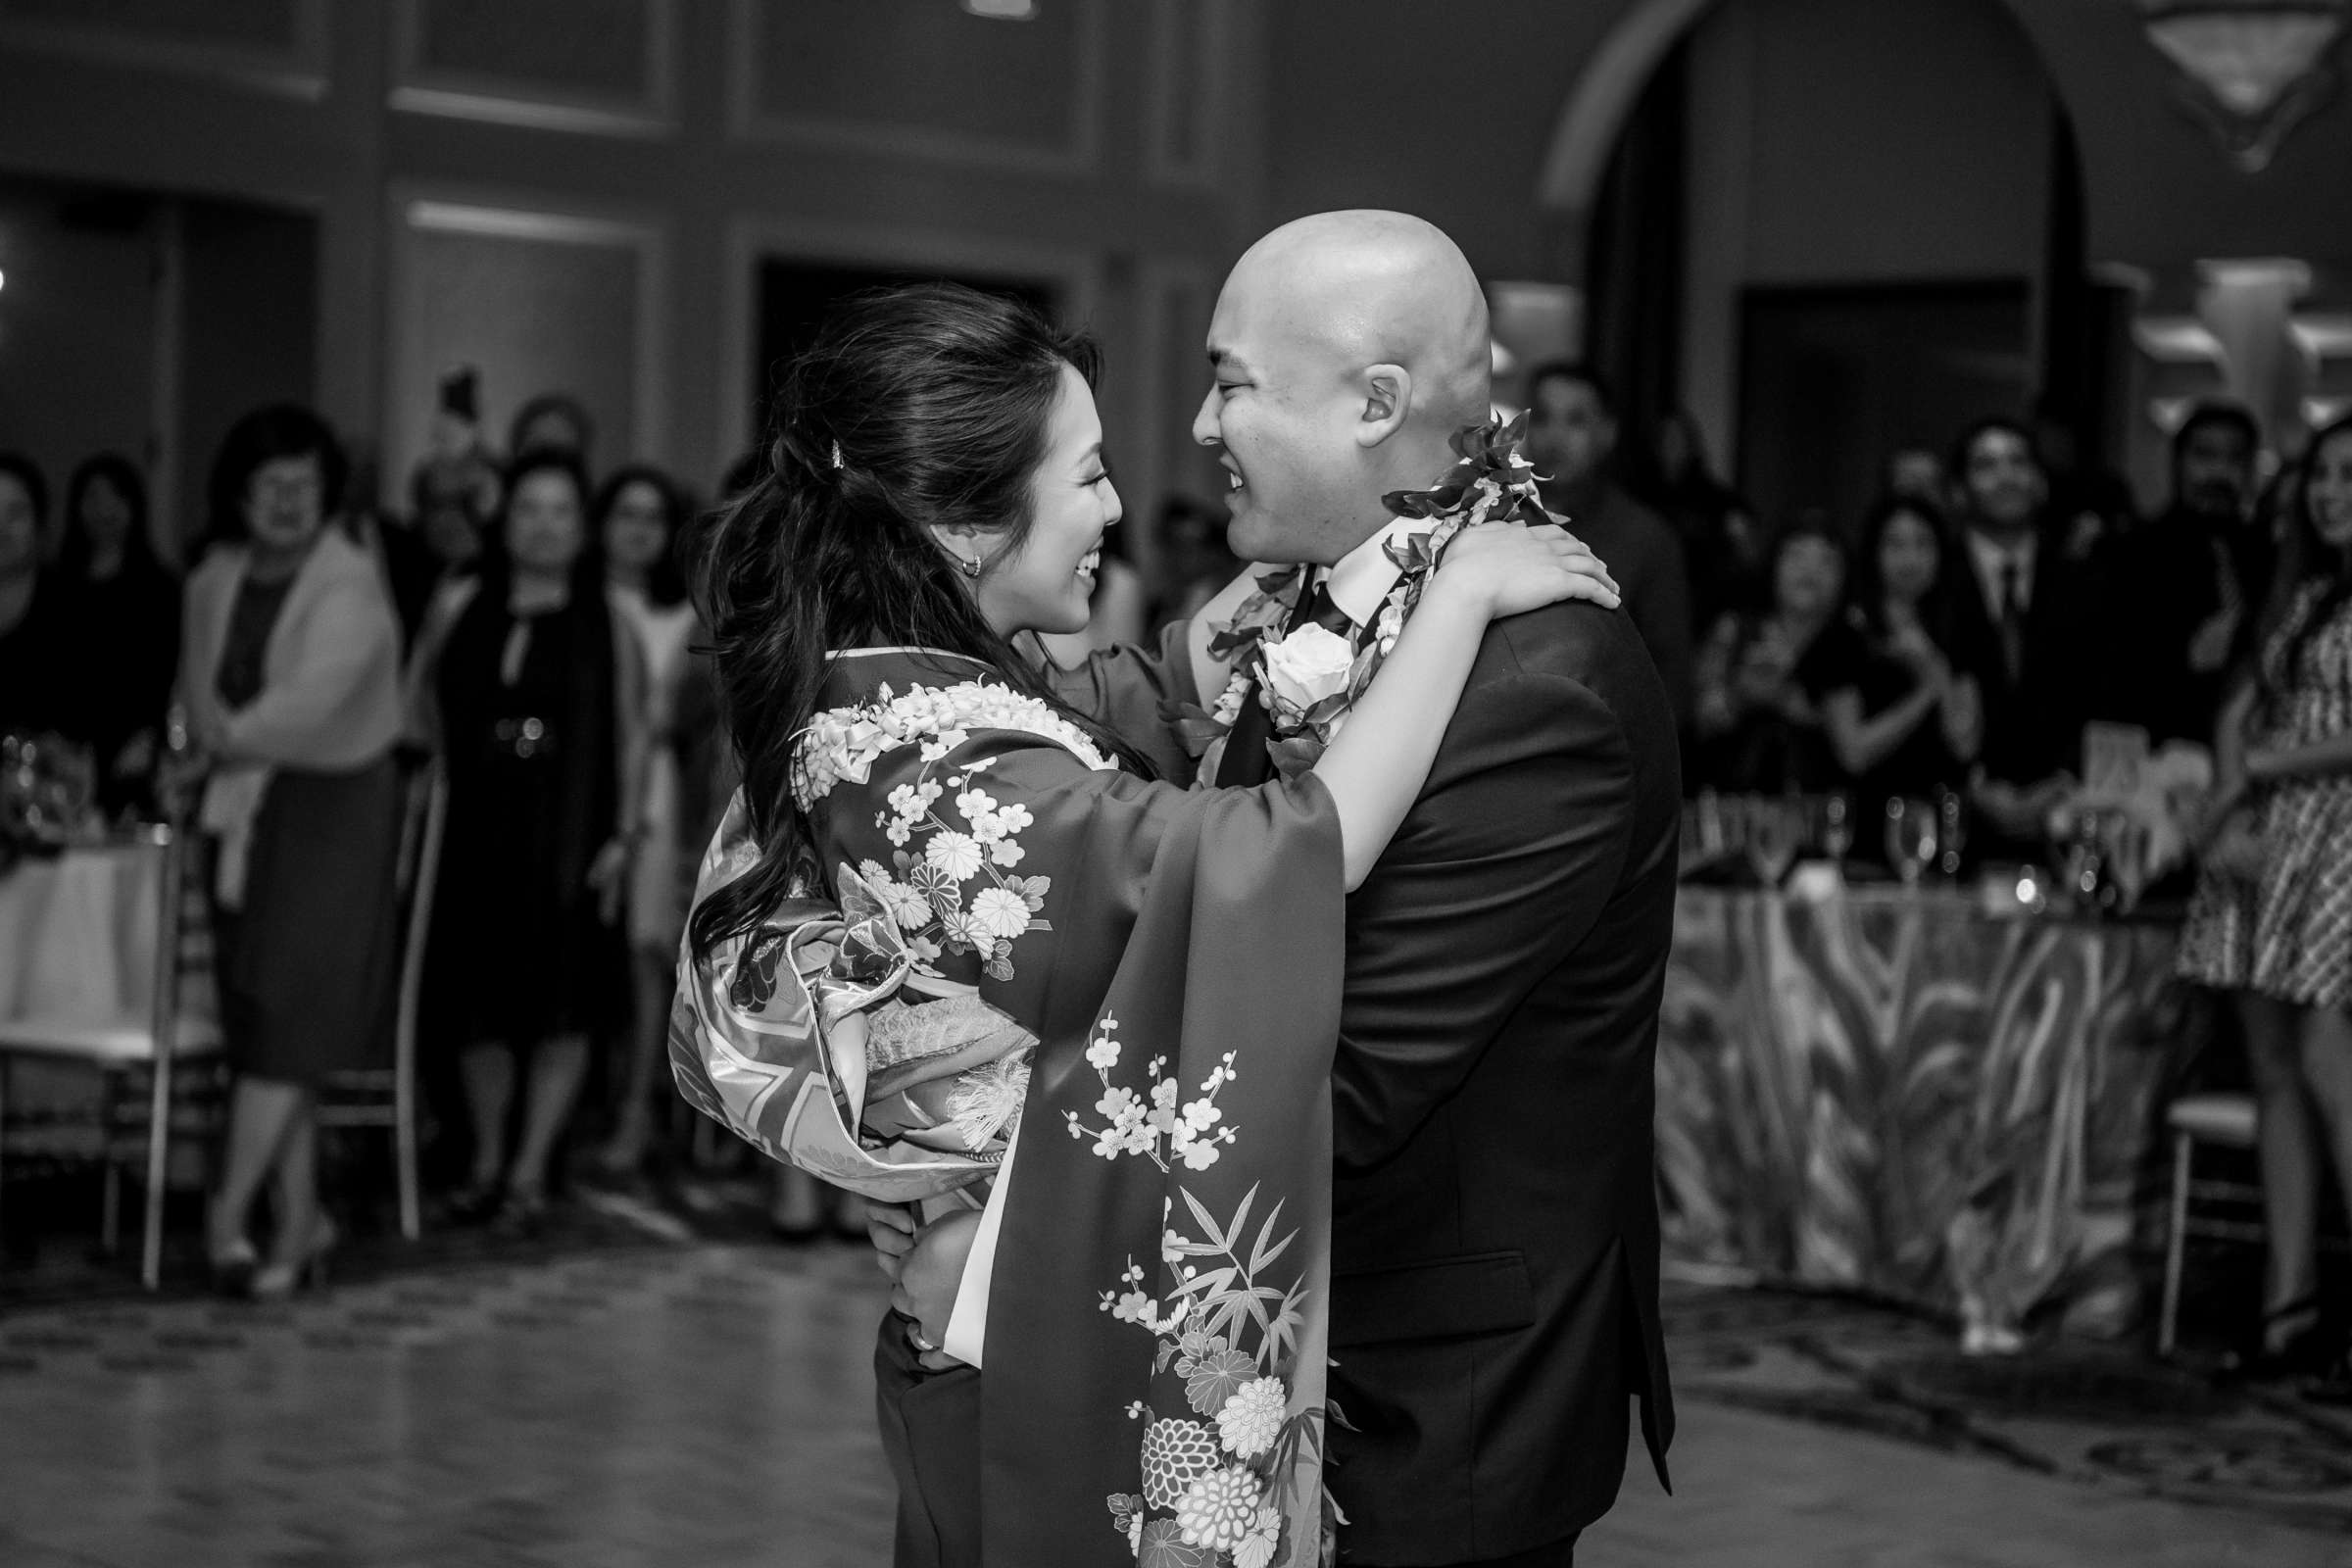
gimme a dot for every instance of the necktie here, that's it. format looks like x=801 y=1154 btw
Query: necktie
x=2013 y=618
x=1246 y=761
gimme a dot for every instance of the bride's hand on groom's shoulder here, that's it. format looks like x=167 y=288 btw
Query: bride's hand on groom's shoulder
x=1506 y=570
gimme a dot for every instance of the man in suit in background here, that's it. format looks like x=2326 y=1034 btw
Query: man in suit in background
x=2194 y=575
x=2025 y=624
x=1571 y=436
x=1494 y=1228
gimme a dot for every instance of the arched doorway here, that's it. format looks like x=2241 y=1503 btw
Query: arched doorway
x=1830 y=228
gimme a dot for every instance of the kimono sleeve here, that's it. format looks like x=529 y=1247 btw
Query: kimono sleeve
x=1140 y=691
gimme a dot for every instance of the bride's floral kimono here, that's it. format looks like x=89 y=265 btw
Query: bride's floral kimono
x=1006 y=932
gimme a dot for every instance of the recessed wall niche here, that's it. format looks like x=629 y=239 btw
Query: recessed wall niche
x=596 y=66
x=921 y=78
x=275 y=45
x=537 y=302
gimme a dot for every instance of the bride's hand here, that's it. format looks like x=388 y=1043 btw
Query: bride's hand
x=1507 y=569
x=930 y=1275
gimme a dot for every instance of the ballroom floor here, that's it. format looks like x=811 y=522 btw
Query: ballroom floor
x=694 y=1402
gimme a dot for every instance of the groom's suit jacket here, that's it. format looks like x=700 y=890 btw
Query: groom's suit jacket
x=1494 y=1257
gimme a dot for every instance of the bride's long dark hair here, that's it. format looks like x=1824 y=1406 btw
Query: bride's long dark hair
x=913 y=408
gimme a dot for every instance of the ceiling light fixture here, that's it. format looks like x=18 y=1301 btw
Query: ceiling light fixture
x=1003 y=10
x=2250 y=69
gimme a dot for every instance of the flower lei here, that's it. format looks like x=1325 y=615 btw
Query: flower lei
x=1491 y=482
x=842 y=743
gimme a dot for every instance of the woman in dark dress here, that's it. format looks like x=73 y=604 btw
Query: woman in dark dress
x=1901 y=722
x=124 y=609
x=1759 y=730
x=31 y=625
x=290 y=676
x=534 y=688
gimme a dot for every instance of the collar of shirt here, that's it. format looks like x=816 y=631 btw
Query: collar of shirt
x=1990 y=556
x=1363 y=577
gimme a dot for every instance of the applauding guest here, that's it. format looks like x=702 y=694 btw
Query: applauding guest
x=530 y=682
x=2192 y=574
x=290 y=676
x=1760 y=730
x=1901 y=719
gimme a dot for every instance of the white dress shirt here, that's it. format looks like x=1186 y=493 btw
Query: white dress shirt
x=1990 y=559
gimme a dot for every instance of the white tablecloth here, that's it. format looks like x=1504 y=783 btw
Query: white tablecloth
x=77 y=936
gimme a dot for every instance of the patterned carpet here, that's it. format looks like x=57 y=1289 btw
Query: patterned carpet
x=2096 y=1415
x=2104 y=1416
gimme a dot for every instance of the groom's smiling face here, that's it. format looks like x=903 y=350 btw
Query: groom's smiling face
x=1281 y=417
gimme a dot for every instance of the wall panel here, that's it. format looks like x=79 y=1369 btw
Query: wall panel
x=538 y=301
x=276 y=45
x=923 y=78
x=597 y=65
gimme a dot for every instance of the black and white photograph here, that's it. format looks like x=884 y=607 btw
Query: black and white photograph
x=1187 y=783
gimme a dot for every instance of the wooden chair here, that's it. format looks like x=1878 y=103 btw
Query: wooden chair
x=2225 y=1122
x=386 y=1096
x=179 y=1031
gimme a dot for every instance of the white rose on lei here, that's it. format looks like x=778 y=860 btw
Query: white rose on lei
x=1309 y=664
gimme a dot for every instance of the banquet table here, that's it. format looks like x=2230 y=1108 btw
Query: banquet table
x=77 y=936
x=1892 y=1090
x=78 y=948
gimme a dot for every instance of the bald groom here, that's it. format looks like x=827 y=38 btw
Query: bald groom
x=1494 y=1254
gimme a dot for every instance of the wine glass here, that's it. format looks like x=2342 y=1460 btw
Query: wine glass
x=1774 y=829
x=1837 y=828
x=1912 y=830
x=1951 y=832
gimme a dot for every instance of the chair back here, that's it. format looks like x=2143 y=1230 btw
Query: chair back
x=185 y=995
x=424 y=808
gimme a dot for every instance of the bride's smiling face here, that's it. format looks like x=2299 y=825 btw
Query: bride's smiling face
x=1045 y=582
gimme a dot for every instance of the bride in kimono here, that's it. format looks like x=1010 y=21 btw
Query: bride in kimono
x=961 y=897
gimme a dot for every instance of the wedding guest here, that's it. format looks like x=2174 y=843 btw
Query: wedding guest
x=1719 y=544
x=1572 y=434
x=452 y=492
x=2272 y=920
x=552 y=421
x=640 y=519
x=530 y=683
x=1901 y=720
x=2189 y=576
x=2026 y=626
x=32 y=626
x=1918 y=473
x=1758 y=729
x=291 y=677
x=124 y=609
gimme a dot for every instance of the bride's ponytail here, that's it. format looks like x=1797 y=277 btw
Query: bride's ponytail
x=913 y=408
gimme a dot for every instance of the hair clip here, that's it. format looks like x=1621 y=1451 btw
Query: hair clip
x=836 y=455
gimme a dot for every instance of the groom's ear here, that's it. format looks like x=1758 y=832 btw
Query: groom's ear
x=1388 y=395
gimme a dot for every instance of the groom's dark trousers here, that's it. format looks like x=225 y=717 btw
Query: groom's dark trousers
x=1495 y=1251
x=931 y=1434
